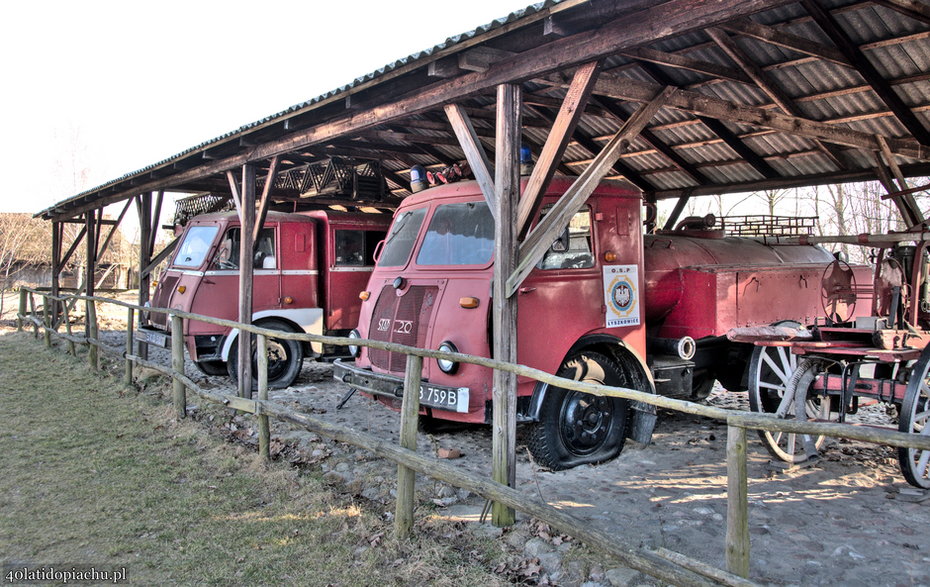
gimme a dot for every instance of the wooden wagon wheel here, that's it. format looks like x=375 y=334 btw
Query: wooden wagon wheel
x=915 y=419
x=777 y=380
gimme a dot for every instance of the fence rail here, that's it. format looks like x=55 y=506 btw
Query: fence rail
x=661 y=563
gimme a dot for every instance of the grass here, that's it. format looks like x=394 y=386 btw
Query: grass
x=97 y=474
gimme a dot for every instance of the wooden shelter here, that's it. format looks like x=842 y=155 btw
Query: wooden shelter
x=680 y=97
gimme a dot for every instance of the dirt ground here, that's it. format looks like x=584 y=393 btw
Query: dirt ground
x=850 y=519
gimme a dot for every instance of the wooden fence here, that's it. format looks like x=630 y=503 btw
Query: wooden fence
x=661 y=563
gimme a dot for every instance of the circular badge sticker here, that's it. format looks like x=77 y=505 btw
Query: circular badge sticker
x=621 y=295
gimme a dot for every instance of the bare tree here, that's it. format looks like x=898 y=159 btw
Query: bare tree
x=21 y=248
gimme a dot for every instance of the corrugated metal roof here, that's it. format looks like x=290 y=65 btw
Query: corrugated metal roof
x=896 y=45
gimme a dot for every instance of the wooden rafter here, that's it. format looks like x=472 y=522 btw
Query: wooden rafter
x=862 y=64
x=562 y=130
x=773 y=36
x=681 y=62
x=474 y=152
x=265 y=198
x=912 y=8
x=539 y=240
x=764 y=82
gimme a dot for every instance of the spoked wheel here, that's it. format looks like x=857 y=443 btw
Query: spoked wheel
x=915 y=419
x=575 y=428
x=776 y=379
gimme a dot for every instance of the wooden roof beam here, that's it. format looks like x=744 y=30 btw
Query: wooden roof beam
x=767 y=85
x=862 y=64
x=912 y=8
x=656 y=143
x=721 y=130
x=773 y=36
x=681 y=62
x=716 y=108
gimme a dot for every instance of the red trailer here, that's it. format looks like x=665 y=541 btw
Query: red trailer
x=603 y=305
x=309 y=268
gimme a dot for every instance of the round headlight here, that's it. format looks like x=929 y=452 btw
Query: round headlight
x=354 y=349
x=445 y=365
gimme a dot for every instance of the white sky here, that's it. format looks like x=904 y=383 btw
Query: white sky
x=95 y=89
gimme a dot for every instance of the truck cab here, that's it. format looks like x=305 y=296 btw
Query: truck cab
x=579 y=315
x=308 y=269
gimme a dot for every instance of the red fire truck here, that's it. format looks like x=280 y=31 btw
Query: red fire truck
x=309 y=268
x=604 y=305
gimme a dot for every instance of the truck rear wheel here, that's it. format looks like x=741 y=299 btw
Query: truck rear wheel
x=211 y=367
x=577 y=428
x=285 y=358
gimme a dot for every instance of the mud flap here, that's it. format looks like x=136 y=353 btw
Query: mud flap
x=642 y=422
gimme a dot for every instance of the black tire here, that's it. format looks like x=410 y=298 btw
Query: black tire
x=701 y=386
x=285 y=358
x=914 y=419
x=214 y=368
x=577 y=428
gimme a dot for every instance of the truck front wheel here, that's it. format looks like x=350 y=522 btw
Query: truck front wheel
x=576 y=428
x=285 y=358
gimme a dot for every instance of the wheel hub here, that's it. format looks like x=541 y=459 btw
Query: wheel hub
x=585 y=422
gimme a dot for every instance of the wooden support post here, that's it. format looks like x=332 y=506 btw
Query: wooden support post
x=56 y=267
x=90 y=328
x=46 y=323
x=72 y=350
x=23 y=306
x=737 y=540
x=144 y=209
x=507 y=186
x=406 y=477
x=130 y=334
x=474 y=151
x=246 y=276
x=264 y=428
x=177 y=365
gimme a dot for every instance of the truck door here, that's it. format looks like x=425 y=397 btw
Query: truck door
x=562 y=298
x=217 y=294
x=350 y=266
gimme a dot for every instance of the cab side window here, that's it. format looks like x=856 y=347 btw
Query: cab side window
x=227 y=254
x=572 y=249
x=356 y=248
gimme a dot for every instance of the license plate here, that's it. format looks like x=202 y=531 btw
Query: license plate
x=446 y=398
x=152 y=337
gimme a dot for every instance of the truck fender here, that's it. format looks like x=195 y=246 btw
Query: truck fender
x=642 y=416
x=308 y=320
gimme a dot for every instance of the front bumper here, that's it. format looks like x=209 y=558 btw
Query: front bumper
x=443 y=397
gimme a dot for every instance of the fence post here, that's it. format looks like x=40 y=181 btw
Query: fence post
x=177 y=365
x=406 y=477
x=32 y=315
x=130 y=324
x=46 y=323
x=67 y=317
x=264 y=428
x=22 y=308
x=737 y=540
x=91 y=328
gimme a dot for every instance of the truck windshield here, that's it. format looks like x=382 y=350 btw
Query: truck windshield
x=459 y=234
x=400 y=241
x=194 y=249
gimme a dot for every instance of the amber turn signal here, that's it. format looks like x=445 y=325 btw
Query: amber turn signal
x=364 y=295
x=182 y=288
x=468 y=302
x=610 y=256
x=288 y=300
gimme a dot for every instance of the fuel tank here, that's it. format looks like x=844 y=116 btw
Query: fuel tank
x=705 y=283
